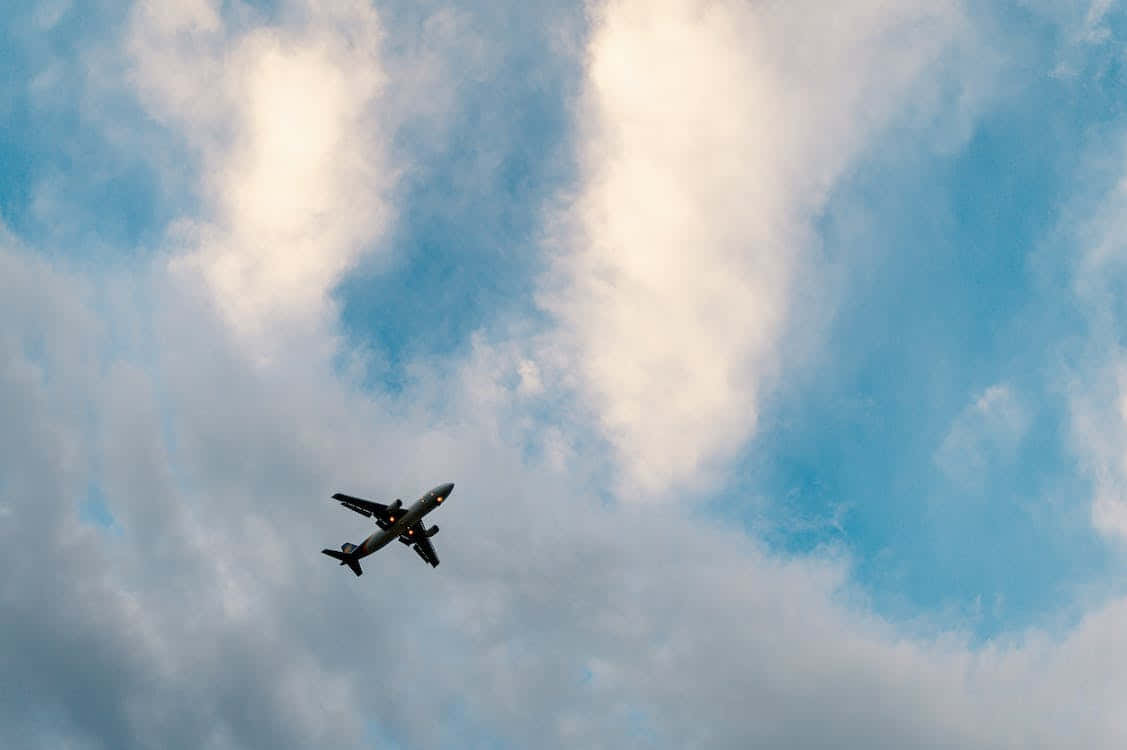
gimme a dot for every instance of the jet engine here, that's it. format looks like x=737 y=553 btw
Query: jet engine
x=432 y=531
x=393 y=510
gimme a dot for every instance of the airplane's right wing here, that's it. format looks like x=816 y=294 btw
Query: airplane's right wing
x=425 y=550
x=418 y=539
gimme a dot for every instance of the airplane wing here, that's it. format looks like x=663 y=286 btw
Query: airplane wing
x=422 y=544
x=426 y=551
x=365 y=508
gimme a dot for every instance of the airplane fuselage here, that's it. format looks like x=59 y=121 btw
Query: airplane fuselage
x=407 y=517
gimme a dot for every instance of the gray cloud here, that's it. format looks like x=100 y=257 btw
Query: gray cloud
x=212 y=620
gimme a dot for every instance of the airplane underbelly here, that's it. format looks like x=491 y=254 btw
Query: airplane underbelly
x=377 y=541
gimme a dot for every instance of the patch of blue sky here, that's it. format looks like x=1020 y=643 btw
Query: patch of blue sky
x=451 y=722
x=69 y=184
x=955 y=300
x=452 y=726
x=460 y=730
x=466 y=244
x=34 y=345
x=379 y=737
x=94 y=510
x=640 y=725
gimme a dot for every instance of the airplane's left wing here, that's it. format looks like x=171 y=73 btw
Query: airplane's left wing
x=363 y=507
x=385 y=515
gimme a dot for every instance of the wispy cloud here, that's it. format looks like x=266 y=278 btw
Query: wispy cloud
x=1098 y=385
x=987 y=432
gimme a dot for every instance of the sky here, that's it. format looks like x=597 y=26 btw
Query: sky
x=776 y=349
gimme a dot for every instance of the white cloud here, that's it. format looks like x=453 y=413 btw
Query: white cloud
x=1099 y=426
x=1084 y=29
x=712 y=133
x=529 y=377
x=288 y=125
x=1094 y=30
x=986 y=432
x=1098 y=379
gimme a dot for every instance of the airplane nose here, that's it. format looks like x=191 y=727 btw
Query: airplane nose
x=447 y=488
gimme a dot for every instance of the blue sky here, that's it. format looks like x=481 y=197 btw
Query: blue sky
x=910 y=439
x=465 y=252
x=93 y=189
x=958 y=298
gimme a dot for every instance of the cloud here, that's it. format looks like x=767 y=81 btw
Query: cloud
x=711 y=135
x=211 y=620
x=148 y=625
x=287 y=123
x=1099 y=427
x=988 y=431
x=1097 y=380
x=1086 y=28
x=1094 y=30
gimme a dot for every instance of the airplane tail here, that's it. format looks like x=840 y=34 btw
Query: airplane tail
x=345 y=557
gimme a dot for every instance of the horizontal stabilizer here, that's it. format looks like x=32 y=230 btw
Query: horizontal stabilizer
x=351 y=562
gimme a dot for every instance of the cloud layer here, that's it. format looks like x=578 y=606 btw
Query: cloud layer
x=555 y=619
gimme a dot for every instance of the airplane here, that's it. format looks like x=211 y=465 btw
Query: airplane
x=395 y=522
